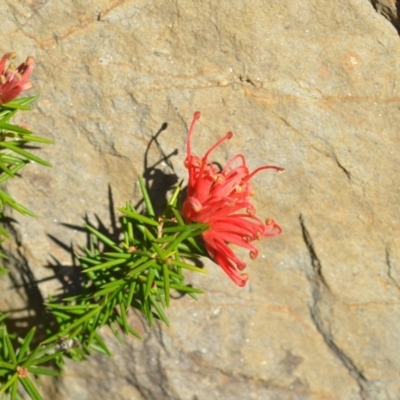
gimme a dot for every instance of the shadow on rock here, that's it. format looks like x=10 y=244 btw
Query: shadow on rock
x=390 y=9
x=160 y=179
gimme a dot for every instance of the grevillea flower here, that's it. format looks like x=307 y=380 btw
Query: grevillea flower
x=14 y=80
x=221 y=198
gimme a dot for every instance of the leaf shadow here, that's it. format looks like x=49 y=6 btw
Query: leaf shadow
x=160 y=179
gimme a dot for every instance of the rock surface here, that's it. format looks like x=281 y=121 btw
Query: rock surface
x=310 y=86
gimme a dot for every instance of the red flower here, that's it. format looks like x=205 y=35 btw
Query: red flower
x=221 y=198
x=14 y=80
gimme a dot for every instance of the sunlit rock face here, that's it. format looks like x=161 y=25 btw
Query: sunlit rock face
x=312 y=87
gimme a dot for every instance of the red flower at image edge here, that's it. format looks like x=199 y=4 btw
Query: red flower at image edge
x=14 y=80
x=221 y=199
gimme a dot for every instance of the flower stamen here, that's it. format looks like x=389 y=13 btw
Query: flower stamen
x=215 y=196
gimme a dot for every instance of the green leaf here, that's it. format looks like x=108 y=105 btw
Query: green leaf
x=36 y=139
x=10 y=348
x=24 y=153
x=123 y=312
x=154 y=245
x=6 y=115
x=132 y=288
x=7 y=365
x=114 y=284
x=149 y=283
x=166 y=283
x=35 y=353
x=188 y=266
x=4 y=168
x=40 y=360
x=25 y=344
x=14 y=128
x=107 y=288
x=4 y=316
x=105 y=316
x=160 y=311
x=73 y=325
x=108 y=264
x=99 y=345
x=14 y=390
x=175 y=195
x=103 y=238
x=96 y=324
x=89 y=260
x=11 y=381
x=118 y=255
x=30 y=388
x=178 y=216
x=138 y=217
x=129 y=235
x=196 y=228
x=188 y=289
x=116 y=333
x=179 y=239
x=4 y=371
x=21 y=103
x=134 y=272
x=146 y=308
x=43 y=371
x=146 y=198
x=13 y=171
x=134 y=333
x=12 y=203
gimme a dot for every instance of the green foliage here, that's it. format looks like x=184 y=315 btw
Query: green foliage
x=19 y=364
x=15 y=145
x=14 y=149
x=139 y=272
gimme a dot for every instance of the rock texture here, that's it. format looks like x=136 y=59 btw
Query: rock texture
x=310 y=86
x=389 y=9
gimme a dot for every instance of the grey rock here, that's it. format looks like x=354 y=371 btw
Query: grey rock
x=309 y=86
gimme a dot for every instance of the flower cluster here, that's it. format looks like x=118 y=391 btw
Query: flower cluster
x=221 y=199
x=14 y=80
